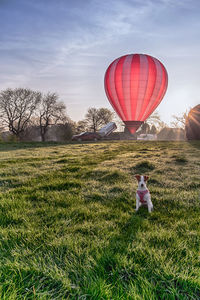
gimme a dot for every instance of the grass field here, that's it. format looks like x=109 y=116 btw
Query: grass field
x=68 y=227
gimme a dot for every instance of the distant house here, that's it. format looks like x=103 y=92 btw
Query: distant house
x=147 y=137
x=171 y=134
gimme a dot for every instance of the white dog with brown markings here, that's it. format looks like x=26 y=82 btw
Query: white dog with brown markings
x=143 y=196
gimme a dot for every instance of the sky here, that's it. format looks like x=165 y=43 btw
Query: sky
x=65 y=46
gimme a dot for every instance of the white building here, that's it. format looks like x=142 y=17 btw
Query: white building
x=147 y=137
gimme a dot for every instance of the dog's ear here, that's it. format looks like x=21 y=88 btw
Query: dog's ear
x=146 y=177
x=137 y=177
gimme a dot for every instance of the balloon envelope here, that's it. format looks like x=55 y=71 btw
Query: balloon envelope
x=135 y=85
x=192 y=125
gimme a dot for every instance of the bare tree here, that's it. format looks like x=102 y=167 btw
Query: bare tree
x=179 y=121
x=63 y=132
x=17 y=107
x=96 y=118
x=50 y=113
x=81 y=126
x=155 y=119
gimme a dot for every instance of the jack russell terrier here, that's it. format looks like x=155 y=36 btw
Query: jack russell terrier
x=143 y=196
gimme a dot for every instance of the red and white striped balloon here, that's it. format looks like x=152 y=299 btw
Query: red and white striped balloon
x=135 y=84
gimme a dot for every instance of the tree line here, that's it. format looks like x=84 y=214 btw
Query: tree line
x=22 y=110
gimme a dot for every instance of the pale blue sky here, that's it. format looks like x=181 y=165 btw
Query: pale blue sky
x=66 y=45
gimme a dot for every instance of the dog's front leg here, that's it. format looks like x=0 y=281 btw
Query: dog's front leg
x=137 y=204
x=150 y=205
x=149 y=208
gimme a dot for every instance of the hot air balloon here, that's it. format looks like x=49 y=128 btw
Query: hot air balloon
x=135 y=84
x=192 y=125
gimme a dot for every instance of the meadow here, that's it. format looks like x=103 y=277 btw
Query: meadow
x=68 y=227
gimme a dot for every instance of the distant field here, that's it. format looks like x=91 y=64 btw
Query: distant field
x=68 y=227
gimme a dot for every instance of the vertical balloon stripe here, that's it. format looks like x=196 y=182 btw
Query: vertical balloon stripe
x=150 y=85
x=163 y=88
x=126 y=79
x=135 y=73
x=158 y=82
x=111 y=93
x=108 y=90
x=114 y=97
x=164 y=85
x=142 y=84
x=106 y=83
x=119 y=85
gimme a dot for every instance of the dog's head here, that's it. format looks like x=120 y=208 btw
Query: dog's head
x=142 y=180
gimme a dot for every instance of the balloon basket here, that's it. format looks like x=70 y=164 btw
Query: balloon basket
x=133 y=126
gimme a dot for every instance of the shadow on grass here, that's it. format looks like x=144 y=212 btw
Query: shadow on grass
x=195 y=144
x=143 y=167
x=10 y=146
x=179 y=159
x=13 y=146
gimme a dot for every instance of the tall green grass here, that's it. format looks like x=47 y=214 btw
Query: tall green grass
x=68 y=227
